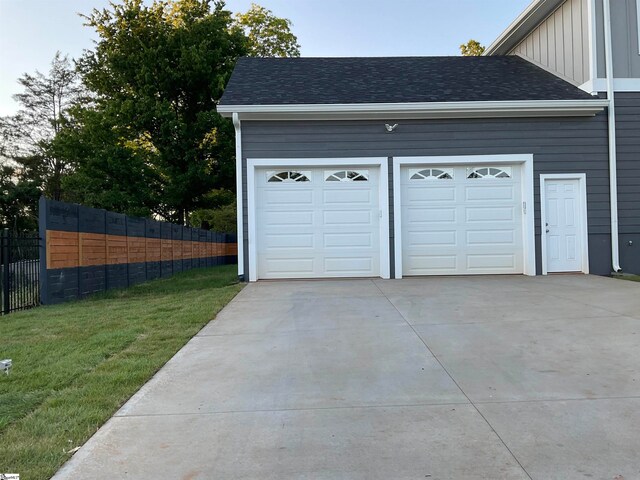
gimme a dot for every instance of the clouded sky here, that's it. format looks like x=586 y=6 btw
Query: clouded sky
x=32 y=30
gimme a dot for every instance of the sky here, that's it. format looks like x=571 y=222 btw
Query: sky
x=31 y=31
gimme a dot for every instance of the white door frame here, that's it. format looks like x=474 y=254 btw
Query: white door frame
x=528 y=226
x=582 y=185
x=383 y=187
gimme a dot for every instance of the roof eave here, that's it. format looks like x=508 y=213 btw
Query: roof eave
x=426 y=110
x=530 y=18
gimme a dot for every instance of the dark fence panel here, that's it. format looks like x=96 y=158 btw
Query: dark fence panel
x=19 y=271
x=87 y=250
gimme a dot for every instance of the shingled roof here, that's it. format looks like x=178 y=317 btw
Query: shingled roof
x=295 y=81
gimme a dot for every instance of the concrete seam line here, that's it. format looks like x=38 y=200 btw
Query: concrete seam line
x=455 y=382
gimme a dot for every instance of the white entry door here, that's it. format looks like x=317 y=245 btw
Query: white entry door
x=318 y=222
x=563 y=224
x=463 y=219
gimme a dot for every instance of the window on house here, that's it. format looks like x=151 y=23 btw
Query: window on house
x=347 y=176
x=432 y=174
x=288 y=176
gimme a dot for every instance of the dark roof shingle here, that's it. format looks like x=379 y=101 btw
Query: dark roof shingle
x=289 y=81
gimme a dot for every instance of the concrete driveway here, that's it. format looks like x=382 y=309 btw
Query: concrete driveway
x=439 y=378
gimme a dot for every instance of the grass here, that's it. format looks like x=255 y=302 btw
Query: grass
x=633 y=278
x=75 y=364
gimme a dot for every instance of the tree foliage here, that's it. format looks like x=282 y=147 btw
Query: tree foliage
x=472 y=48
x=268 y=35
x=156 y=73
x=18 y=200
x=27 y=136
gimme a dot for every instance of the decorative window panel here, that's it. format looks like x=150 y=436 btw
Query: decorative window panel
x=347 y=176
x=431 y=174
x=489 y=172
x=288 y=176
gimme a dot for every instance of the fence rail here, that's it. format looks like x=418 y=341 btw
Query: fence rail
x=20 y=271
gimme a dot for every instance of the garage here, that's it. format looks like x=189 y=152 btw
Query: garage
x=317 y=222
x=462 y=219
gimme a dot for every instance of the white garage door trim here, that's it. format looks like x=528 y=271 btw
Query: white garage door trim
x=584 y=234
x=528 y=229
x=380 y=162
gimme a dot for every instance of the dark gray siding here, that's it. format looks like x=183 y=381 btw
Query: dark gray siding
x=559 y=145
x=628 y=145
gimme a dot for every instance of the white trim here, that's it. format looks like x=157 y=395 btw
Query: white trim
x=383 y=192
x=528 y=226
x=593 y=45
x=613 y=169
x=638 y=24
x=582 y=184
x=619 y=85
x=520 y=108
x=239 y=203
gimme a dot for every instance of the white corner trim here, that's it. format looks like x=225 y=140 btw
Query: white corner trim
x=520 y=108
x=528 y=224
x=383 y=192
x=619 y=85
x=239 y=203
x=584 y=233
x=638 y=24
x=593 y=52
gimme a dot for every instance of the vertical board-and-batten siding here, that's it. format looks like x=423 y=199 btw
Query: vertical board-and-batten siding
x=628 y=160
x=559 y=145
x=560 y=44
x=624 y=39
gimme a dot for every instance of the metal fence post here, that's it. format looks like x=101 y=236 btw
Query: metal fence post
x=6 y=306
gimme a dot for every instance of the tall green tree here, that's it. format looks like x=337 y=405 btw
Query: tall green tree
x=18 y=200
x=268 y=35
x=472 y=48
x=156 y=73
x=26 y=137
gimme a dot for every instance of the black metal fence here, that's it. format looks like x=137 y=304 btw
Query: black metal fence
x=20 y=271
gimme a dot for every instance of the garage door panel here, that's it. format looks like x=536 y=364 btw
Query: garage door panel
x=286 y=197
x=290 y=265
x=347 y=217
x=431 y=239
x=351 y=266
x=491 y=237
x=289 y=240
x=286 y=218
x=491 y=262
x=432 y=264
x=344 y=240
x=490 y=214
x=486 y=193
x=352 y=197
x=414 y=215
x=476 y=228
x=431 y=194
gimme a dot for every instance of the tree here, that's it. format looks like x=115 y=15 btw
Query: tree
x=27 y=136
x=156 y=74
x=18 y=200
x=472 y=48
x=268 y=35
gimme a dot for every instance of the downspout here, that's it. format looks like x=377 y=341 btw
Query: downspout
x=239 y=203
x=613 y=175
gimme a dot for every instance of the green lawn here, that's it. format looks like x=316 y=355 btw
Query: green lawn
x=633 y=278
x=74 y=365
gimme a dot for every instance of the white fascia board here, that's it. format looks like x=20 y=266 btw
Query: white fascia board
x=529 y=19
x=364 y=111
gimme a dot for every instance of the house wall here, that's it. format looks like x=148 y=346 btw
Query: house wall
x=628 y=148
x=560 y=44
x=624 y=39
x=559 y=145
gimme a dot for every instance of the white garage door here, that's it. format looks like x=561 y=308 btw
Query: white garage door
x=461 y=220
x=320 y=222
